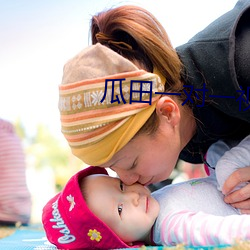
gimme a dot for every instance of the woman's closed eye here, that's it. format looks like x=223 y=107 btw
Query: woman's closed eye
x=120 y=206
x=121 y=186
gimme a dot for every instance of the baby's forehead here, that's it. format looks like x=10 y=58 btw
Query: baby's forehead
x=99 y=183
x=98 y=177
x=95 y=182
x=95 y=176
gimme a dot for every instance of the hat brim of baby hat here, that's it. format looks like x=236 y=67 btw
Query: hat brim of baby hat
x=69 y=224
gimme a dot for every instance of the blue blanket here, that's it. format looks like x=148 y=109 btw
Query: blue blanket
x=33 y=238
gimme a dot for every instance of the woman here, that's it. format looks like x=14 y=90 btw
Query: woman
x=130 y=138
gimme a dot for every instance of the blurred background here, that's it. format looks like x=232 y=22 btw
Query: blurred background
x=36 y=40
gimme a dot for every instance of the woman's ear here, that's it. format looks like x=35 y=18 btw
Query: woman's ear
x=168 y=109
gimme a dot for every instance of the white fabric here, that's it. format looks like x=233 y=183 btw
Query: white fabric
x=194 y=212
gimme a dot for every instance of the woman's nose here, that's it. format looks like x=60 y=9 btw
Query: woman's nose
x=126 y=177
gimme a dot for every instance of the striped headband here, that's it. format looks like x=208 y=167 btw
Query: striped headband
x=104 y=101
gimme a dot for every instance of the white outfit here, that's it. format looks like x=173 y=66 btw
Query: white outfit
x=194 y=212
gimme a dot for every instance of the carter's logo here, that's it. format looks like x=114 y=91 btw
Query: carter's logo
x=67 y=237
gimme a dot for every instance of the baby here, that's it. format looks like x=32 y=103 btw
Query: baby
x=96 y=211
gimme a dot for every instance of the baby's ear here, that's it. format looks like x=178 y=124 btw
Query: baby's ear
x=168 y=109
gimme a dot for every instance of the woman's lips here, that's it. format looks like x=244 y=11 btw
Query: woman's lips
x=148 y=183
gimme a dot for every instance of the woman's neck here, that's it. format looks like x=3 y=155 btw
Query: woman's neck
x=187 y=125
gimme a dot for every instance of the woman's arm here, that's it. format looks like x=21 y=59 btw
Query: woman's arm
x=240 y=198
x=233 y=174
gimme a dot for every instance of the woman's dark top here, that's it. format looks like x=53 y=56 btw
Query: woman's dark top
x=219 y=57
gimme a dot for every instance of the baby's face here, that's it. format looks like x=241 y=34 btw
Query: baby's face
x=130 y=211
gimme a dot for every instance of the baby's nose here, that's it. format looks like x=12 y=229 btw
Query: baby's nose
x=133 y=197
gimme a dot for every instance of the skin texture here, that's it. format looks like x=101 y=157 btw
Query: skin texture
x=148 y=164
x=130 y=211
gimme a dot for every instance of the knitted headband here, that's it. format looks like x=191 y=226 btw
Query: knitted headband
x=98 y=120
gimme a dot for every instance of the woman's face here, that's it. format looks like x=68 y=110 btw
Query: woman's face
x=147 y=159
